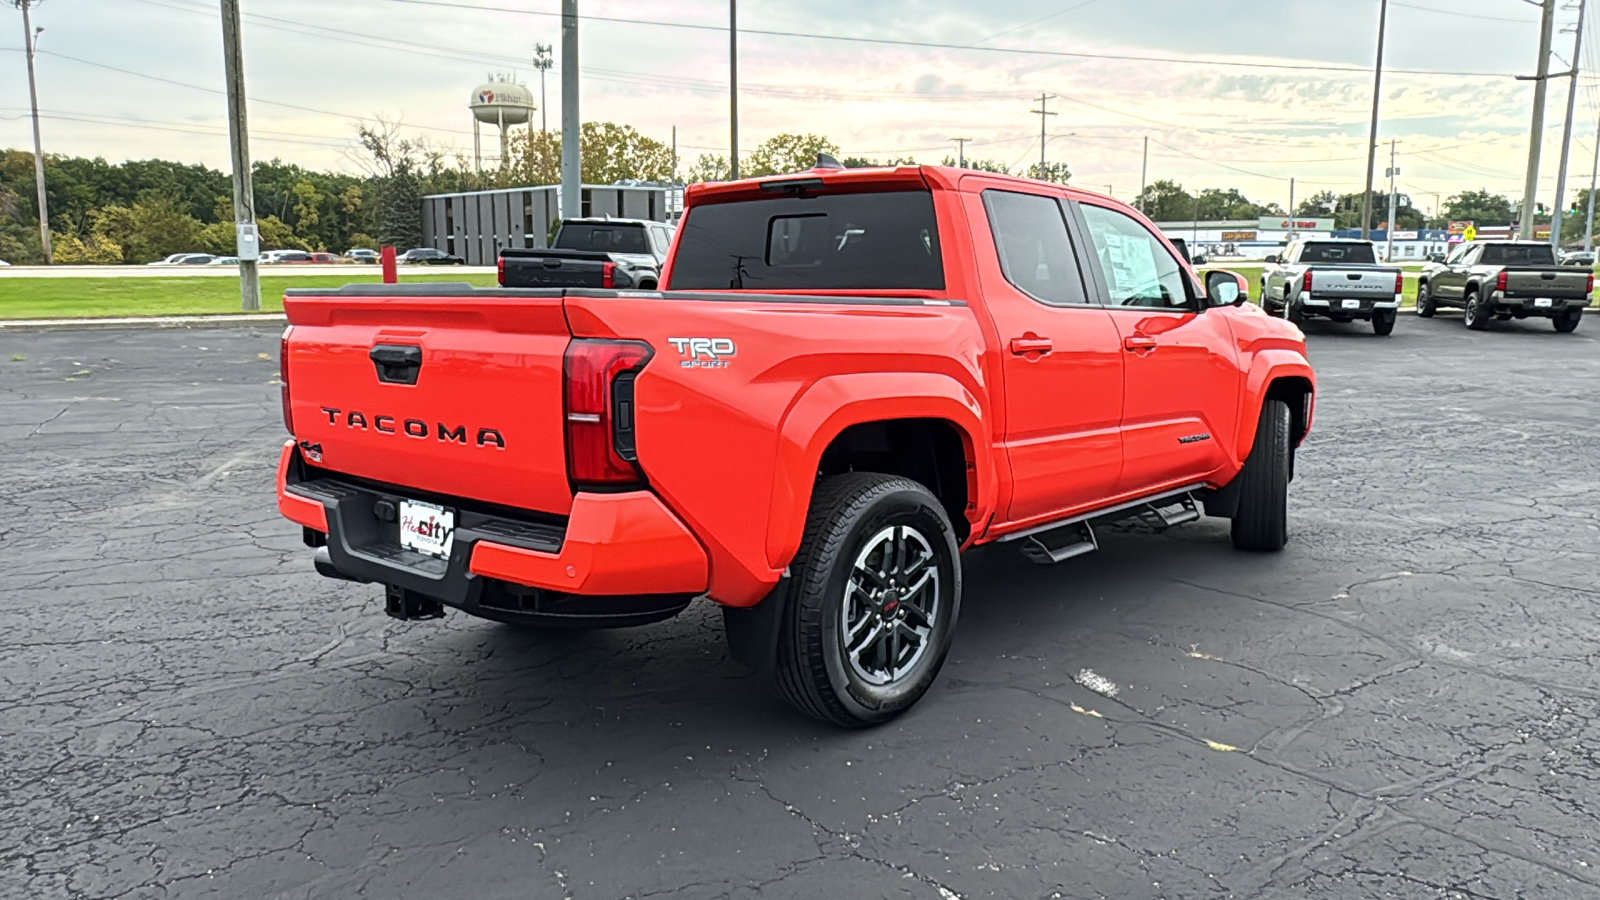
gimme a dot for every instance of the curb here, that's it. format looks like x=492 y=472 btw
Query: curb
x=224 y=321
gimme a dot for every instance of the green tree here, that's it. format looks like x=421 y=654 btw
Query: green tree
x=862 y=162
x=707 y=168
x=1056 y=172
x=401 y=224
x=783 y=153
x=1166 y=201
x=612 y=153
x=982 y=165
x=1479 y=206
x=1320 y=204
x=153 y=227
x=95 y=250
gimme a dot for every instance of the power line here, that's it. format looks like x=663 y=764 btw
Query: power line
x=934 y=45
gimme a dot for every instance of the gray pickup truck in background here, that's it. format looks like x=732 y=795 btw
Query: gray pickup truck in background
x=593 y=253
x=1336 y=279
x=1506 y=280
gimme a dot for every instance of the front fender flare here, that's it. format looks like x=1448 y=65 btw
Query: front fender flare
x=837 y=402
x=1268 y=366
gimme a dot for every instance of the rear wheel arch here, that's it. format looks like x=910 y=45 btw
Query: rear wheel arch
x=935 y=453
x=834 y=406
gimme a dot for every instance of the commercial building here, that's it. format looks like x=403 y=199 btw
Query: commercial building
x=477 y=226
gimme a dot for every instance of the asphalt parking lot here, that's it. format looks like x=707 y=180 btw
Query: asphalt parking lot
x=1402 y=704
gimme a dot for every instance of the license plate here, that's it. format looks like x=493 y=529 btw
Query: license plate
x=1542 y=301
x=1352 y=304
x=426 y=528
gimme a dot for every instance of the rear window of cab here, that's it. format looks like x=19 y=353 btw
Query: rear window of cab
x=884 y=240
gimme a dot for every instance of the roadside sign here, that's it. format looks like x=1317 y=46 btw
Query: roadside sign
x=1458 y=227
x=1470 y=233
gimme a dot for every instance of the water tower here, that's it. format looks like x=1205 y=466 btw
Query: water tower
x=499 y=101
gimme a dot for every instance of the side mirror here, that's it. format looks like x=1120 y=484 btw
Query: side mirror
x=1273 y=259
x=1199 y=261
x=1224 y=288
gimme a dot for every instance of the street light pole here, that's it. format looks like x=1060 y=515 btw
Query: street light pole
x=733 y=88
x=1566 y=136
x=1594 y=177
x=1530 y=184
x=1144 y=172
x=571 y=124
x=1372 y=131
x=30 y=43
x=543 y=61
x=244 y=202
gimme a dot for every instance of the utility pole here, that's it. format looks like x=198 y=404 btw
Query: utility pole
x=30 y=39
x=674 y=154
x=1372 y=131
x=244 y=196
x=543 y=61
x=1566 y=137
x=1594 y=176
x=1144 y=172
x=1530 y=185
x=961 y=152
x=1041 y=112
x=733 y=88
x=1291 y=198
x=1394 y=171
x=571 y=124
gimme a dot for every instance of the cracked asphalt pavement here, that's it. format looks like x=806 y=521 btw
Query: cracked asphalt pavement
x=1402 y=704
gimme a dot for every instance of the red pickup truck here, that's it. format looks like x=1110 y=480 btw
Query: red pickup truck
x=849 y=377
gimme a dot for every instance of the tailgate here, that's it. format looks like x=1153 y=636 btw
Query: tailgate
x=553 y=269
x=1546 y=283
x=1377 y=284
x=443 y=389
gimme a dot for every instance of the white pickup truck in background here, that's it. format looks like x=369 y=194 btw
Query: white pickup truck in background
x=1335 y=279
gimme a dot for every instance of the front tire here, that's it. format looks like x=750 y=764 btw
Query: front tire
x=1262 y=520
x=1425 y=305
x=1478 y=313
x=874 y=594
x=1567 y=322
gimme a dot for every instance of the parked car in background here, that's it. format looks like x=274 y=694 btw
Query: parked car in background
x=1578 y=258
x=599 y=253
x=223 y=261
x=1336 y=279
x=4 y=263
x=848 y=377
x=326 y=259
x=285 y=257
x=184 y=259
x=363 y=256
x=1506 y=280
x=429 y=256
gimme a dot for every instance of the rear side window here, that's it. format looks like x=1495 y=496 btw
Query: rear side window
x=873 y=241
x=1355 y=254
x=1035 y=250
x=1529 y=254
x=602 y=238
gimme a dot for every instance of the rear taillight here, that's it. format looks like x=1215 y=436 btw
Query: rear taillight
x=600 y=410
x=1500 y=282
x=608 y=275
x=500 y=270
x=1589 y=288
x=1399 y=282
x=1305 y=283
x=283 y=376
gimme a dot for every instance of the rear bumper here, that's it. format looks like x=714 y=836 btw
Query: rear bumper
x=626 y=545
x=1535 y=306
x=1335 y=306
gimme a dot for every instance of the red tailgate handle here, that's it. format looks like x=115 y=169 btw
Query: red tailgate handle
x=1138 y=343
x=1031 y=343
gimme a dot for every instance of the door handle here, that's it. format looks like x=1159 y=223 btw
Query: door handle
x=1138 y=343
x=1031 y=344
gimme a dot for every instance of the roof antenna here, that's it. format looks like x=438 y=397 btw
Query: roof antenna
x=826 y=161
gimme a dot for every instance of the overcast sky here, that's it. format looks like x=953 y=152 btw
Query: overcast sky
x=1244 y=125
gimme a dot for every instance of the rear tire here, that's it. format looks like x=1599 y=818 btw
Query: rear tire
x=1567 y=322
x=1425 y=305
x=1262 y=520
x=874 y=594
x=1478 y=313
x=1383 y=323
